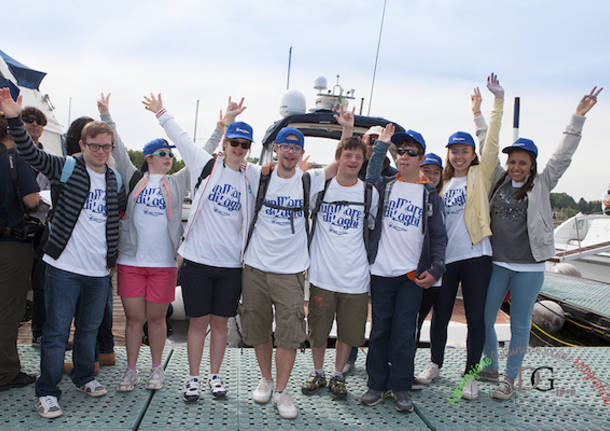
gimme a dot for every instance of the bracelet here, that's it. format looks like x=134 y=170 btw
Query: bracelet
x=161 y=112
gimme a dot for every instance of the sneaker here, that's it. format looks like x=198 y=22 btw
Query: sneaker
x=403 y=401
x=313 y=383
x=20 y=380
x=348 y=367
x=156 y=379
x=93 y=388
x=471 y=391
x=217 y=386
x=504 y=390
x=337 y=387
x=371 y=397
x=285 y=407
x=430 y=373
x=264 y=390
x=47 y=407
x=489 y=376
x=129 y=381
x=191 y=389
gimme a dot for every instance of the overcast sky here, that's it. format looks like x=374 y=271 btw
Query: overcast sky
x=433 y=52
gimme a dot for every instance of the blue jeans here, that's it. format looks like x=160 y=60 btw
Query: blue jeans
x=390 y=360
x=69 y=295
x=524 y=288
x=105 y=339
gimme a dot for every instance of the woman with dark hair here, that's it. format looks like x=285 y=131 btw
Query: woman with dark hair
x=522 y=226
x=73 y=135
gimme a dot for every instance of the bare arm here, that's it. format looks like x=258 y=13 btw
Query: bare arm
x=32 y=200
x=346 y=121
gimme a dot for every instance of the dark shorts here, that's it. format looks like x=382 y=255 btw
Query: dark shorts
x=210 y=289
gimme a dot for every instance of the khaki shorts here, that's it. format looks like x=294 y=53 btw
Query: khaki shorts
x=261 y=293
x=351 y=310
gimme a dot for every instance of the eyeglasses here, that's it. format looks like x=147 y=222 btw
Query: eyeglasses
x=96 y=147
x=30 y=120
x=412 y=152
x=244 y=144
x=163 y=154
x=372 y=140
x=290 y=148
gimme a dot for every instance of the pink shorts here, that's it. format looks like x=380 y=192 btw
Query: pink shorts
x=155 y=284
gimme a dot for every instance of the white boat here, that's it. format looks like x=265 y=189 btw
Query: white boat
x=584 y=242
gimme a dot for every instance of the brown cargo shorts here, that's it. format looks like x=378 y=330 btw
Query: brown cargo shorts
x=350 y=309
x=262 y=292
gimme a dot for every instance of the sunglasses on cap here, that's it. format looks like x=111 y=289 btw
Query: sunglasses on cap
x=372 y=140
x=30 y=120
x=245 y=145
x=163 y=154
x=410 y=151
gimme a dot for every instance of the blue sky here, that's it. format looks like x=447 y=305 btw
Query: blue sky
x=432 y=54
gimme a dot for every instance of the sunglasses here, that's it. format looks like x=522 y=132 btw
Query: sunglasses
x=31 y=120
x=412 y=152
x=163 y=154
x=245 y=145
x=97 y=147
x=372 y=141
x=290 y=148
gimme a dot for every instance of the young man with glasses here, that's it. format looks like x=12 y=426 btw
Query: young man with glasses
x=81 y=249
x=407 y=251
x=275 y=261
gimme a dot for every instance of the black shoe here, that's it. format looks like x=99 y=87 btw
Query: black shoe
x=403 y=402
x=21 y=380
x=313 y=383
x=337 y=387
x=371 y=397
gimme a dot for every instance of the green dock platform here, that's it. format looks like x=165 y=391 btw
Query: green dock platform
x=572 y=404
x=589 y=296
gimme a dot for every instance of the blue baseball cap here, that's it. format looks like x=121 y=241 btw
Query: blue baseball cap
x=409 y=135
x=286 y=131
x=522 y=144
x=433 y=159
x=461 y=138
x=239 y=129
x=156 y=144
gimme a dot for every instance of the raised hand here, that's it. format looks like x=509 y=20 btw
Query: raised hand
x=10 y=108
x=304 y=164
x=587 y=102
x=103 y=104
x=386 y=134
x=494 y=86
x=152 y=103
x=476 y=100
x=345 y=119
x=233 y=110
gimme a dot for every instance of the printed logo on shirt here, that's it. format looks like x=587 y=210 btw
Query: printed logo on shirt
x=153 y=201
x=282 y=217
x=454 y=200
x=226 y=197
x=95 y=206
x=403 y=213
x=341 y=216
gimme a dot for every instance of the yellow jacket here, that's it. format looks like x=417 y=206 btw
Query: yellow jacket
x=479 y=180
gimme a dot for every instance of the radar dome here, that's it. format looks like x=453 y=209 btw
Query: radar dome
x=293 y=102
x=320 y=84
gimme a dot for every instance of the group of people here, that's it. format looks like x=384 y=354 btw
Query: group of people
x=407 y=236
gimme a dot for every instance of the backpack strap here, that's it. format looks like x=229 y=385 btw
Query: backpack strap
x=119 y=181
x=67 y=170
x=135 y=179
x=263 y=185
x=386 y=194
x=306 y=180
x=368 y=197
x=315 y=210
x=205 y=172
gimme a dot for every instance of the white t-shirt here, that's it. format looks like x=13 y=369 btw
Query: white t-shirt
x=155 y=248
x=85 y=252
x=273 y=247
x=401 y=231
x=215 y=238
x=338 y=258
x=459 y=244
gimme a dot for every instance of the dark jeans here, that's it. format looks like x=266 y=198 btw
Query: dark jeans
x=69 y=295
x=474 y=276
x=105 y=339
x=389 y=363
x=428 y=299
x=38 y=313
x=15 y=267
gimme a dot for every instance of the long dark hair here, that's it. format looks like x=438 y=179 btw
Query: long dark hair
x=73 y=134
x=449 y=172
x=529 y=183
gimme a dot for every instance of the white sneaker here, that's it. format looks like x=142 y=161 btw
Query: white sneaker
x=129 y=381
x=191 y=390
x=93 y=388
x=430 y=373
x=471 y=391
x=285 y=407
x=263 y=391
x=217 y=386
x=47 y=407
x=156 y=379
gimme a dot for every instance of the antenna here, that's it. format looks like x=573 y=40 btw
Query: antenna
x=196 y=118
x=376 y=58
x=69 y=110
x=516 y=118
x=289 y=62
